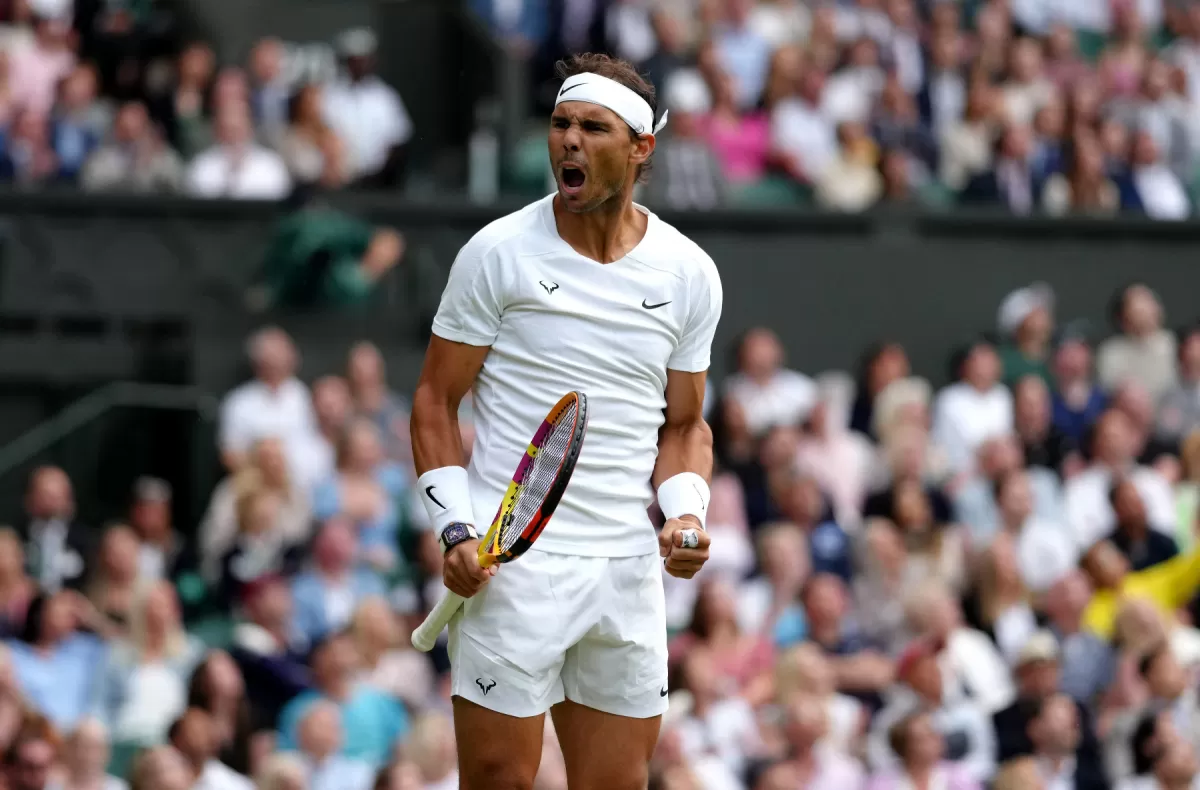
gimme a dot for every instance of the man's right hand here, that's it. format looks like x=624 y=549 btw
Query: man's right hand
x=461 y=571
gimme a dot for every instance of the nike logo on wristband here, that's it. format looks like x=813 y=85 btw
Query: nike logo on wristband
x=429 y=493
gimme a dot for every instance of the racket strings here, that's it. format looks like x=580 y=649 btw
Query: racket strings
x=540 y=477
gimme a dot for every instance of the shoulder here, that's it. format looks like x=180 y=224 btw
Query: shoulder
x=673 y=248
x=507 y=232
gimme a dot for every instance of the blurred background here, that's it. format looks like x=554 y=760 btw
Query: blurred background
x=955 y=389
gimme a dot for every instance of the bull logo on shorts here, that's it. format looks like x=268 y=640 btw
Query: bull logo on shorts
x=485 y=687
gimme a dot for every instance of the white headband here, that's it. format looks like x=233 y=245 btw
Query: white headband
x=594 y=89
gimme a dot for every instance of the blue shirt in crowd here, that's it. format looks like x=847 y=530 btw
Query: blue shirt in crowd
x=64 y=684
x=371 y=724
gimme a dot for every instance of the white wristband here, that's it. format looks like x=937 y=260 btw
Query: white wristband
x=446 y=496
x=685 y=494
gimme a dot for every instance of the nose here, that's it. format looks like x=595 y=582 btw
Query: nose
x=572 y=138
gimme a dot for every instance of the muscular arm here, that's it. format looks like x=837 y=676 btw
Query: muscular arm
x=450 y=370
x=685 y=440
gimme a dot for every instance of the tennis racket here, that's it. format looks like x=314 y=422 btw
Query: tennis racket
x=535 y=491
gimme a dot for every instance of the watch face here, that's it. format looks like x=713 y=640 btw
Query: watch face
x=454 y=533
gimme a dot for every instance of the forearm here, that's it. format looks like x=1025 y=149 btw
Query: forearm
x=684 y=447
x=436 y=441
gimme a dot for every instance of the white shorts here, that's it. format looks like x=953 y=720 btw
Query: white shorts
x=550 y=627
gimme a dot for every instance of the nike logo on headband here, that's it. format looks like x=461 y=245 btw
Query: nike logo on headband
x=571 y=88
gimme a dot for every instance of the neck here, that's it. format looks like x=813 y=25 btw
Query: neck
x=338 y=691
x=605 y=234
x=1055 y=761
x=824 y=632
x=920 y=775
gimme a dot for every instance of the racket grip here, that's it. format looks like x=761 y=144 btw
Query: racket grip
x=426 y=634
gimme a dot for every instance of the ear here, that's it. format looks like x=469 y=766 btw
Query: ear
x=643 y=147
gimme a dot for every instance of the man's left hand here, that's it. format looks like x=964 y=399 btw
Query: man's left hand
x=683 y=563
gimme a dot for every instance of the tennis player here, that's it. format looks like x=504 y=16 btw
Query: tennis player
x=583 y=290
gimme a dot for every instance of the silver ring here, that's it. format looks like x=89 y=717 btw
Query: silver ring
x=691 y=538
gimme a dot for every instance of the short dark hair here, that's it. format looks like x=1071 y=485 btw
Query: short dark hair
x=619 y=71
x=1145 y=745
x=898 y=733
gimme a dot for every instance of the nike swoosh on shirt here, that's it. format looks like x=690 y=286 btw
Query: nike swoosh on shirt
x=654 y=306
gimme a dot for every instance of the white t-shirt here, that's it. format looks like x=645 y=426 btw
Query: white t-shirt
x=784 y=400
x=964 y=418
x=557 y=321
x=370 y=118
x=253 y=411
x=256 y=174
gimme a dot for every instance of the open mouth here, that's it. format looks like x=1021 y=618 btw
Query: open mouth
x=573 y=178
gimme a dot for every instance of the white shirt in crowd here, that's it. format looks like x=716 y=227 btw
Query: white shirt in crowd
x=1150 y=783
x=1038 y=16
x=253 y=411
x=370 y=118
x=1089 y=509
x=784 y=400
x=975 y=671
x=1045 y=553
x=806 y=133
x=728 y=730
x=256 y=173
x=218 y=776
x=557 y=321
x=1161 y=192
x=107 y=783
x=964 y=418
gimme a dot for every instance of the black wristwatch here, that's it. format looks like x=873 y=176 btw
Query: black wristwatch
x=455 y=533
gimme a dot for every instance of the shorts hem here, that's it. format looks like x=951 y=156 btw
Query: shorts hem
x=626 y=710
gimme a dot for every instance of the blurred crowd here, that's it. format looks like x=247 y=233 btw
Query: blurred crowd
x=109 y=96
x=1054 y=106
x=991 y=584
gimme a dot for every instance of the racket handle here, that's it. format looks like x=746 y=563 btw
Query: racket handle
x=426 y=634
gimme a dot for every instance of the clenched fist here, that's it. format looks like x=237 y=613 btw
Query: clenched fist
x=461 y=572
x=683 y=561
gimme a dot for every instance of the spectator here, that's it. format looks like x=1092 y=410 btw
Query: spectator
x=237 y=167
x=113 y=585
x=58 y=668
x=768 y=393
x=1027 y=88
x=145 y=687
x=312 y=151
x=16 y=588
x=1044 y=548
x=1077 y=399
x=161 y=768
x=327 y=594
x=1026 y=321
x=334 y=406
x=851 y=181
x=1168 y=586
x=1054 y=731
x=801 y=500
x=35 y=72
x=274 y=404
x=283 y=771
x=973 y=410
x=803 y=137
x=741 y=51
x=267 y=646
x=182 y=110
x=742 y=141
x=1013 y=181
x=1124 y=61
x=269 y=89
x=1044 y=445
x=768 y=605
x=923 y=757
x=882 y=584
x=803 y=673
x=743 y=660
x=85 y=757
x=1179 y=410
x=1085 y=188
x=714 y=711
x=880 y=366
x=837 y=457
x=942 y=98
x=1003 y=600
x=193 y=735
x=371 y=721
x=260 y=549
x=1087 y=663
x=1086 y=496
x=1158 y=191
x=134 y=158
x=367 y=114
x=32 y=758
x=218 y=689
x=320 y=741
x=433 y=748
x=375 y=400
x=853 y=89
x=966 y=143
x=860 y=670
x=320 y=257
x=1163 y=759
x=267 y=471
x=1144 y=351
x=365 y=490
x=1142 y=546
x=896 y=123
x=78 y=123
x=689 y=174
x=818 y=768
x=161 y=552
x=28 y=157
x=976 y=504
x=388 y=663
